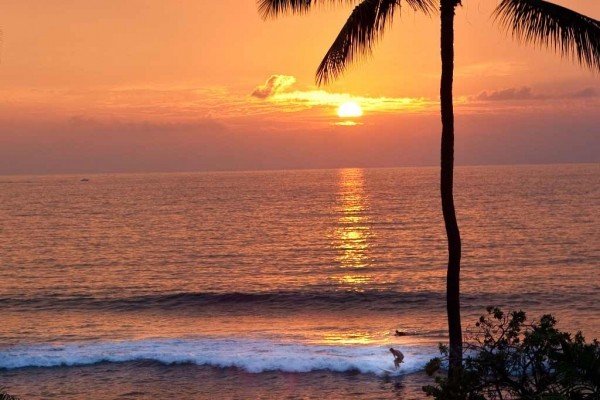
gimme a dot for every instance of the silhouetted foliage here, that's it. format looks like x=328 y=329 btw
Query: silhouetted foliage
x=5 y=396
x=553 y=26
x=508 y=358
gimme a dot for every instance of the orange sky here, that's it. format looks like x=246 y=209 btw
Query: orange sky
x=154 y=85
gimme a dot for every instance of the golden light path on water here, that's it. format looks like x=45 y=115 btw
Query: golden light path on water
x=352 y=233
x=351 y=241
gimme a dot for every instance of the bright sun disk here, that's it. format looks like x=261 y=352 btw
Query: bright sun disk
x=349 y=109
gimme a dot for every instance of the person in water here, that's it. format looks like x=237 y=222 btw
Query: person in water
x=398 y=356
x=398 y=333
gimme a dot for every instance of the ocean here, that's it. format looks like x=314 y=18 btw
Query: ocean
x=276 y=284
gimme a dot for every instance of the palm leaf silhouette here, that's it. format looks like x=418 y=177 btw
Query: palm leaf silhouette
x=549 y=25
x=363 y=28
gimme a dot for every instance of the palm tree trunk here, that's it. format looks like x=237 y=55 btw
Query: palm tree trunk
x=446 y=188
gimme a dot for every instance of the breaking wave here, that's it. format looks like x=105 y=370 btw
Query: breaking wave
x=252 y=356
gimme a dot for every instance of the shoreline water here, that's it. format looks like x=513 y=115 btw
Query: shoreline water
x=149 y=380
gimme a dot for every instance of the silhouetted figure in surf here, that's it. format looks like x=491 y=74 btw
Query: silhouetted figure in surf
x=398 y=333
x=398 y=356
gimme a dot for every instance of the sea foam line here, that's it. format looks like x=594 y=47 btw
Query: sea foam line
x=253 y=356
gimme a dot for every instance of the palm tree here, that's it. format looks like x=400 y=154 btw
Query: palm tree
x=536 y=21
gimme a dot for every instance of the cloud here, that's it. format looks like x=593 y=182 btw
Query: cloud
x=298 y=100
x=158 y=103
x=275 y=90
x=526 y=93
x=585 y=93
x=188 y=104
x=523 y=93
x=273 y=85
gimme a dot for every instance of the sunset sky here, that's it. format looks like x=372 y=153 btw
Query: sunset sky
x=192 y=85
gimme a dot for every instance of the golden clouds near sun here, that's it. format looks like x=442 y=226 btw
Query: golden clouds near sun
x=349 y=109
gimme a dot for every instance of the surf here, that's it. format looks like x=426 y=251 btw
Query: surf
x=253 y=356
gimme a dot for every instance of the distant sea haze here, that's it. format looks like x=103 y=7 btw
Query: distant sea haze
x=411 y=140
x=281 y=283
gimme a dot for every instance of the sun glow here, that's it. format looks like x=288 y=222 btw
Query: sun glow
x=349 y=109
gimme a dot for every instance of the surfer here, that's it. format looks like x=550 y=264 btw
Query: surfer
x=398 y=356
x=399 y=333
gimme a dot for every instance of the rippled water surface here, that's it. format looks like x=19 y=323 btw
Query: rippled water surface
x=289 y=271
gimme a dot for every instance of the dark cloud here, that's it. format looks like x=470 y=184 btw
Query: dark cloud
x=585 y=93
x=273 y=85
x=523 y=93
x=526 y=93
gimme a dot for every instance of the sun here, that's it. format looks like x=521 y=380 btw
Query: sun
x=349 y=109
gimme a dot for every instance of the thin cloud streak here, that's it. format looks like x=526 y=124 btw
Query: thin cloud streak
x=320 y=98
x=527 y=93
x=275 y=91
x=283 y=102
x=523 y=93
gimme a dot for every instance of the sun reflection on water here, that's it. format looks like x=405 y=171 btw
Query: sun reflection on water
x=351 y=236
x=356 y=337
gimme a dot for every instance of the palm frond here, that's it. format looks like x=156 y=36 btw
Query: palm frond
x=5 y=396
x=273 y=8
x=363 y=28
x=550 y=25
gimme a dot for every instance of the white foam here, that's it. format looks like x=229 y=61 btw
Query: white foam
x=250 y=355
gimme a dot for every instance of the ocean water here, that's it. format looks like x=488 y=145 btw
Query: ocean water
x=277 y=284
